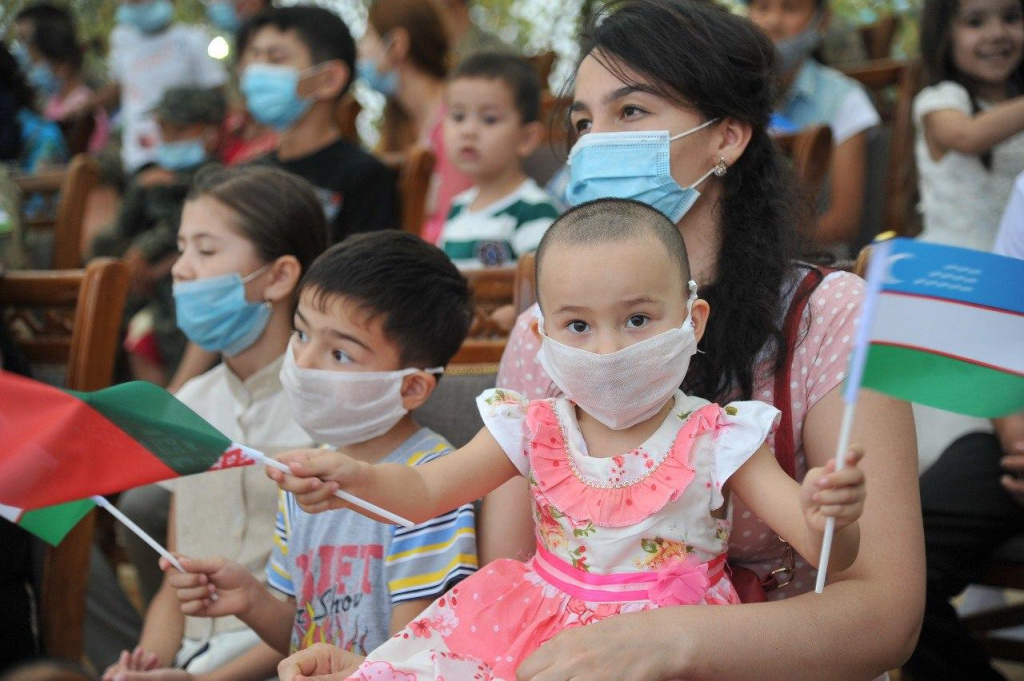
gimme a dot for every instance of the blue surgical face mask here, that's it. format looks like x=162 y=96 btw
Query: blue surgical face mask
x=791 y=52
x=632 y=165
x=43 y=80
x=271 y=94
x=384 y=83
x=181 y=155
x=214 y=314
x=148 y=17
x=223 y=16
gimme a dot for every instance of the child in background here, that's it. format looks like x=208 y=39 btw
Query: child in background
x=56 y=74
x=492 y=124
x=378 y=318
x=246 y=237
x=630 y=477
x=145 y=234
x=970 y=118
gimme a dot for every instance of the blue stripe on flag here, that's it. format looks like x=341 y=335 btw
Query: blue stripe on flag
x=958 y=274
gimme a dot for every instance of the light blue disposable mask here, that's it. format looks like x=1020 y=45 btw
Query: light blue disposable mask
x=223 y=16
x=384 y=83
x=148 y=17
x=180 y=155
x=214 y=314
x=43 y=80
x=791 y=52
x=632 y=165
x=272 y=94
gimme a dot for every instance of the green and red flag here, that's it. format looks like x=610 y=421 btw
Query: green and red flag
x=59 y=446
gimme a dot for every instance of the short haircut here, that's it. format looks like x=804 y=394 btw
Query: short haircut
x=322 y=31
x=424 y=302
x=520 y=77
x=614 y=221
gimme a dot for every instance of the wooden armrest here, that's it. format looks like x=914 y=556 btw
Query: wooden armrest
x=48 y=182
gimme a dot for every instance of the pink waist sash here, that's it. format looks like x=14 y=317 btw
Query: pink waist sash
x=680 y=582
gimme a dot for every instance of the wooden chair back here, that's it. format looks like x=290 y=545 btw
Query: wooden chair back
x=492 y=288
x=414 y=178
x=553 y=110
x=892 y=85
x=73 y=184
x=525 y=292
x=345 y=115
x=543 y=63
x=878 y=36
x=77 y=132
x=70 y=317
x=810 y=151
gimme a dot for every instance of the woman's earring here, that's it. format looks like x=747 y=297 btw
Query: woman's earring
x=721 y=167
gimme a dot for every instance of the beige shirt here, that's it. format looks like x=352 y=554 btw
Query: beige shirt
x=231 y=512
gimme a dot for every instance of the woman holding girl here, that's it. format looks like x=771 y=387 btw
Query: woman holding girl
x=651 y=66
x=246 y=237
x=404 y=55
x=970 y=118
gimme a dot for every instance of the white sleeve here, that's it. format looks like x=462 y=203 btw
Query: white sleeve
x=855 y=115
x=945 y=95
x=208 y=73
x=504 y=415
x=119 y=40
x=1010 y=241
x=743 y=429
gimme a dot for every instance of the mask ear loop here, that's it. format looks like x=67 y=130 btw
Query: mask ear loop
x=258 y=273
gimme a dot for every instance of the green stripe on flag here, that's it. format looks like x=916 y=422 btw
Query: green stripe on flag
x=943 y=382
x=167 y=428
x=51 y=524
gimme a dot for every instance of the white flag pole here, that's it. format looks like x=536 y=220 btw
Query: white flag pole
x=877 y=270
x=142 y=534
x=262 y=458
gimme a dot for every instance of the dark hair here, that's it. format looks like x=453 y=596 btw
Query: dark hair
x=424 y=301
x=513 y=71
x=57 y=40
x=42 y=11
x=423 y=20
x=702 y=57
x=937 y=19
x=13 y=81
x=277 y=211
x=321 y=30
x=613 y=221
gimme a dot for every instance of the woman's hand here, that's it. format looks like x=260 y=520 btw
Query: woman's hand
x=319 y=662
x=828 y=493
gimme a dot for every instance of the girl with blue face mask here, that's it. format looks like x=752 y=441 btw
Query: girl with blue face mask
x=245 y=238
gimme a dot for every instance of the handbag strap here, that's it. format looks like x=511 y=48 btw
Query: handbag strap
x=785 y=446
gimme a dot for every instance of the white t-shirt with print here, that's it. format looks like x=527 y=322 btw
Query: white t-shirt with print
x=147 y=65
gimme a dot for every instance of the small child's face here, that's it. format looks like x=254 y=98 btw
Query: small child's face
x=605 y=297
x=484 y=135
x=988 y=39
x=333 y=333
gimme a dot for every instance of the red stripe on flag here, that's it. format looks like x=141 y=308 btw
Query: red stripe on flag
x=959 y=358
x=55 y=448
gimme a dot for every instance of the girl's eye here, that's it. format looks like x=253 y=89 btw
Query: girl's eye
x=300 y=335
x=340 y=357
x=581 y=126
x=630 y=111
x=637 y=321
x=206 y=253
x=577 y=326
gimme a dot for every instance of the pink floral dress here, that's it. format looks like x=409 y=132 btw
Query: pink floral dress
x=614 y=535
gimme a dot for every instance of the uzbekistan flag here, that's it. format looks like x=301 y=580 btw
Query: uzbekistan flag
x=60 y=446
x=948 y=327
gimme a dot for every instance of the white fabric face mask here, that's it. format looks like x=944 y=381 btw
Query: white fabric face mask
x=623 y=388
x=341 y=408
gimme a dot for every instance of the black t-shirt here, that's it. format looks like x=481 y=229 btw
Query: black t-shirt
x=358 y=192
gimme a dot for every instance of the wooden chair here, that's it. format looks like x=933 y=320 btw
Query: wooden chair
x=878 y=36
x=892 y=85
x=414 y=177
x=543 y=63
x=73 y=184
x=492 y=288
x=810 y=151
x=77 y=132
x=345 y=115
x=72 y=318
x=525 y=292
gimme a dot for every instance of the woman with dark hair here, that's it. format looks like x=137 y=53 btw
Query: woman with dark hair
x=404 y=55
x=704 y=76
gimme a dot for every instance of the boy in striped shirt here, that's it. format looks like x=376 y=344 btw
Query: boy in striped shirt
x=379 y=316
x=492 y=124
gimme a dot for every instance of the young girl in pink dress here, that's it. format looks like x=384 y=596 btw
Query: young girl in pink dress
x=630 y=478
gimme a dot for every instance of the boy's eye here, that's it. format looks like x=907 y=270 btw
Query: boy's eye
x=637 y=321
x=577 y=326
x=457 y=116
x=300 y=335
x=490 y=119
x=340 y=357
